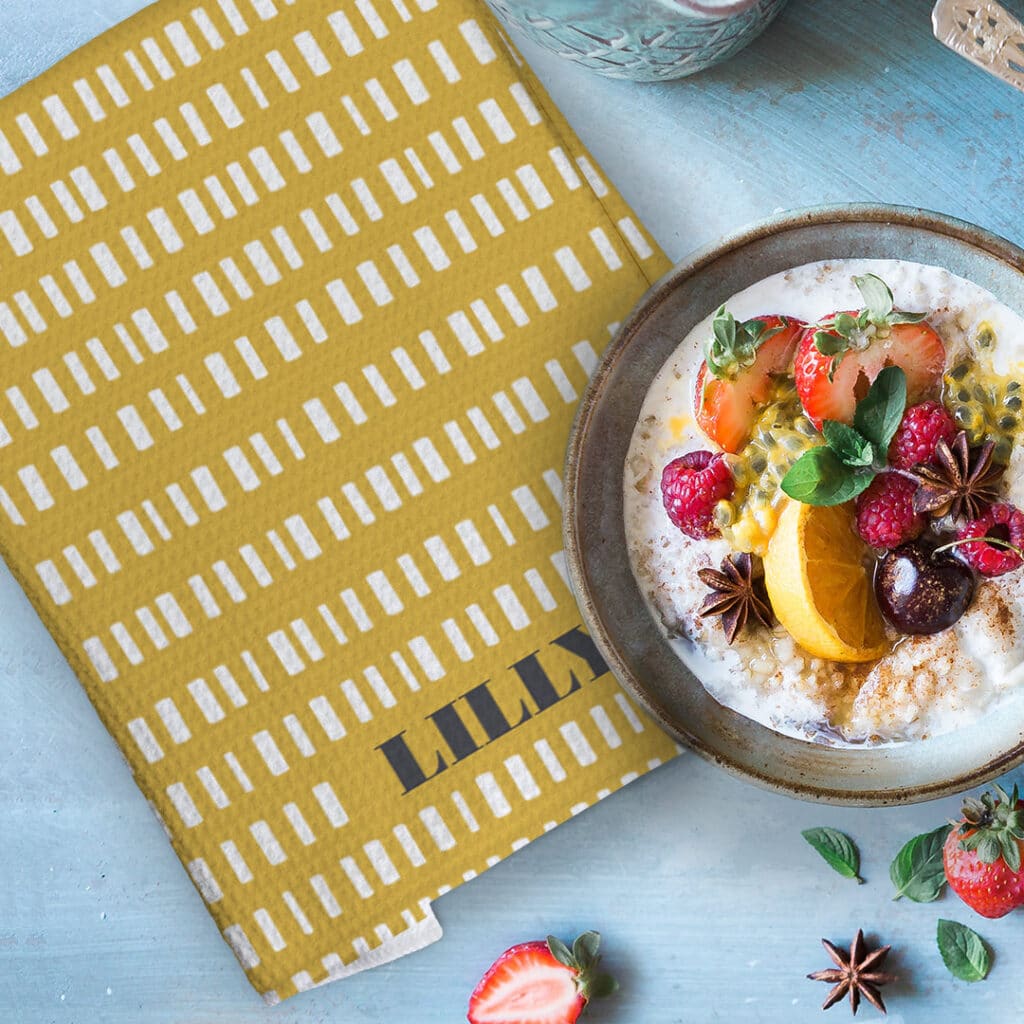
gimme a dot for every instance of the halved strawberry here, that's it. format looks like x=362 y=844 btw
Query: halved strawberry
x=837 y=359
x=737 y=374
x=540 y=983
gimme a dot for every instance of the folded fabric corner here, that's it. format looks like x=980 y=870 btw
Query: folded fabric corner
x=298 y=302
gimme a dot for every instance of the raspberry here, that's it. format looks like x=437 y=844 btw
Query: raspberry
x=885 y=512
x=691 y=486
x=922 y=428
x=1003 y=522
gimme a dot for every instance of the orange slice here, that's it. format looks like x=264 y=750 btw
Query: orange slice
x=819 y=588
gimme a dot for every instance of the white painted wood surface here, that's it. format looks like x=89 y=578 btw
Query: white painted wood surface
x=711 y=903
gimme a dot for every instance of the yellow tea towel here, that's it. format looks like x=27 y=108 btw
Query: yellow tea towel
x=297 y=299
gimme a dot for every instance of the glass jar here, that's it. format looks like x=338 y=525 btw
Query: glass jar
x=643 y=40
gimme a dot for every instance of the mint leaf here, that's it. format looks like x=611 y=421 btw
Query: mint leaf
x=906 y=318
x=837 y=850
x=963 y=951
x=877 y=297
x=818 y=477
x=917 y=870
x=853 y=450
x=879 y=412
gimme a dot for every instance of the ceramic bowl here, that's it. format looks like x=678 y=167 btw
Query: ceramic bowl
x=641 y=40
x=609 y=598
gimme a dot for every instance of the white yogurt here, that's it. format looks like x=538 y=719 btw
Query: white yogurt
x=929 y=684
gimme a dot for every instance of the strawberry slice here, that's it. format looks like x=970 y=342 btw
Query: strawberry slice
x=540 y=983
x=838 y=358
x=736 y=377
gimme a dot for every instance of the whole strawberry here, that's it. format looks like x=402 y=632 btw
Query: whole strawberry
x=982 y=856
x=541 y=983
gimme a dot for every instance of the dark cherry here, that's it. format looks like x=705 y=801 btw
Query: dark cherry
x=921 y=591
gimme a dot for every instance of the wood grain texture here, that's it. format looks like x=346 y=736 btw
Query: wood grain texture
x=711 y=903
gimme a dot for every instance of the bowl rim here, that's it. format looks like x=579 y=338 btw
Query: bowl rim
x=838 y=213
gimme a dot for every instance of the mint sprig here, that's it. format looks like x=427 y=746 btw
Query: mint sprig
x=836 y=335
x=820 y=477
x=733 y=346
x=851 y=457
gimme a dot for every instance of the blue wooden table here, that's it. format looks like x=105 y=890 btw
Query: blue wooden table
x=711 y=904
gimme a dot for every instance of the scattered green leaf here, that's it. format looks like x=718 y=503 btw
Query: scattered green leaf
x=963 y=951
x=917 y=870
x=837 y=850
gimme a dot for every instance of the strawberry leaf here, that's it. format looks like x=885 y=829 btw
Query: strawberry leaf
x=819 y=477
x=989 y=849
x=829 y=344
x=917 y=871
x=732 y=346
x=877 y=297
x=963 y=951
x=1010 y=849
x=603 y=985
x=846 y=325
x=902 y=317
x=561 y=952
x=584 y=949
x=878 y=304
x=723 y=327
x=837 y=850
x=759 y=332
x=879 y=412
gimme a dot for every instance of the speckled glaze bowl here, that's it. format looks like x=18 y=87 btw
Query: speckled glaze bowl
x=642 y=40
x=609 y=598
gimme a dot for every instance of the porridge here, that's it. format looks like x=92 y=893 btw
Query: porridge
x=822 y=501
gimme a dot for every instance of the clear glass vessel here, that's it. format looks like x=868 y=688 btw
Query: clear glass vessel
x=643 y=40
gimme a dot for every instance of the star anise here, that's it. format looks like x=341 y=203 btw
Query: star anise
x=856 y=973
x=961 y=481
x=736 y=594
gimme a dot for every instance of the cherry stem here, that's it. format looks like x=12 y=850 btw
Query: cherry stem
x=997 y=541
